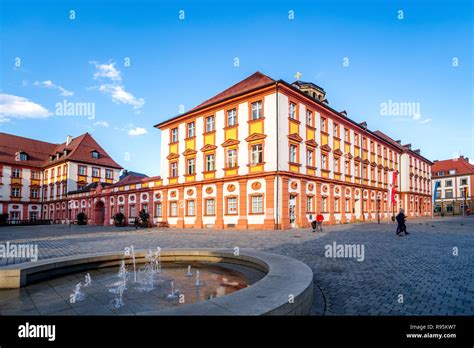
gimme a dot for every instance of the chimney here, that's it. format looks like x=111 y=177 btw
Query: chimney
x=68 y=140
x=399 y=142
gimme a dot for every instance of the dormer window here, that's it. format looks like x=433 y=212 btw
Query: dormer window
x=452 y=172
x=95 y=154
x=21 y=156
x=58 y=155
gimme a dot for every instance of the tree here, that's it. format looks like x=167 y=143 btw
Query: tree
x=119 y=219
x=144 y=218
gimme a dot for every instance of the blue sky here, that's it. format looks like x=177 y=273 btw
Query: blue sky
x=177 y=62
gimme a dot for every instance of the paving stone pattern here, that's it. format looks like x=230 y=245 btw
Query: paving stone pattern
x=420 y=267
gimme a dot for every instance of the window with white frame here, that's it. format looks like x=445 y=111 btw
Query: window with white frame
x=95 y=172
x=35 y=175
x=323 y=124
x=232 y=205
x=256 y=154
x=15 y=192
x=190 y=208
x=174 y=135
x=16 y=172
x=463 y=181
x=336 y=130
x=336 y=165
x=158 y=210
x=292 y=110
x=309 y=118
x=309 y=204
x=231 y=158
x=133 y=212
x=210 y=206
x=293 y=153
x=191 y=166
x=34 y=193
x=191 y=129
x=257 y=204
x=256 y=110
x=231 y=117
x=336 y=205
x=210 y=162
x=14 y=215
x=324 y=204
x=210 y=124
x=109 y=174
x=309 y=158
x=173 y=208
x=174 y=169
x=82 y=170
x=324 y=161
x=449 y=183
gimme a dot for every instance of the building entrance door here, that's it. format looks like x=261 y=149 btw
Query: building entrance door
x=292 y=207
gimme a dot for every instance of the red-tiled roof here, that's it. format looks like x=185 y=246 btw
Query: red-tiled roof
x=255 y=80
x=80 y=149
x=39 y=152
x=461 y=165
x=131 y=179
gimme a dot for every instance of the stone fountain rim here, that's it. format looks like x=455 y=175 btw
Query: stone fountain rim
x=286 y=288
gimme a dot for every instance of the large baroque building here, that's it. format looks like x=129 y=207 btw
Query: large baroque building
x=266 y=154
x=35 y=176
x=454 y=182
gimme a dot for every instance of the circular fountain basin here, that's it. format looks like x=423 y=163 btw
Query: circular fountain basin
x=251 y=283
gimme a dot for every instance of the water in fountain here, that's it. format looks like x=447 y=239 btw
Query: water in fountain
x=117 y=302
x=198 y=281
x=174 y=292
x=123 y=277
x=78 y=294
x=131 y=252
x=87 y=280
x=145 y=278
x=189 y=274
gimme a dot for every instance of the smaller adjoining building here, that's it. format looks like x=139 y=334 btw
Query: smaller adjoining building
x=453 y=186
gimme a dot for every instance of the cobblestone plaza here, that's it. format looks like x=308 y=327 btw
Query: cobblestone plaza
x=428 y=272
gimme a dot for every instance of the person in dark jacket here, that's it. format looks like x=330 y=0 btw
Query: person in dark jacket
x=401 y=226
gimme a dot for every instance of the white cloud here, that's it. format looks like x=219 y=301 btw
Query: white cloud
x=426 y=120
x=101 y=123
x=111 y=83
x=12 y=106
x=51 y=85
x=121 y=96
x=107 y=71
x=137 y=131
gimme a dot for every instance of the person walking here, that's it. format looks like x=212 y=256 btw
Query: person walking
x=401 y=226
x=318 y=224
